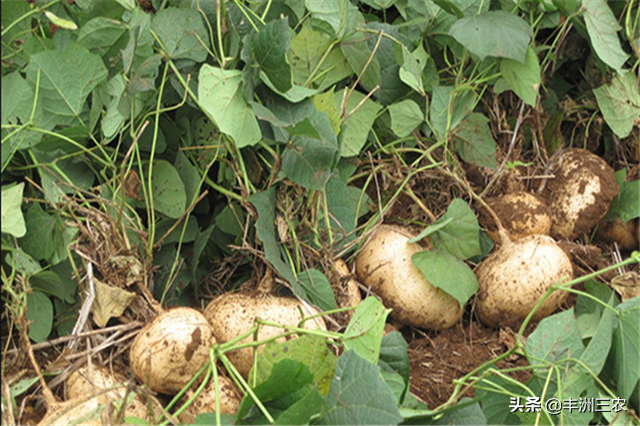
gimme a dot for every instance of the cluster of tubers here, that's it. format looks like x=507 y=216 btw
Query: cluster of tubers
x=176 y=345
x=525 y=263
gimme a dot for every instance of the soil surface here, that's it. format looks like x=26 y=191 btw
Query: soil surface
x=439 y=359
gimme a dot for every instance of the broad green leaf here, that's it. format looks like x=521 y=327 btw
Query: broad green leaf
x=189 y=235
x=301 y=412
x=391 y=86
x=44 y=233
x=448 y=108
x=307 y=49
x=411 y=71
x=355 y=130
x=379 y=4
x=556 y=338
x=312 y=153
x=324 y=103
x=603 y=28
x=430 y=230
x=627 y=203
x=460 y=236
x=597 y=350
x=189 y=174
x=12 y=219
x=357 y=51
x=40 y=316
x=495 y=403
x=467 y=415
x=343 y=203
x=394 y=357
x=66 y=79
x=270 y=48
x=182 y=33
x=285 y=377
x=106 y=37
x=474 y=142
x=359 y=396
x=282 y=113
x=169 y=196
x=22 y=262
x=405 y=117
x=295 y=94
x=12 y=11
x=309 y=350
x=523 y=79
x=589 y=312
x=318 y=289
x=17 y=104
x=112 y=93
x=447 y=273
x=626 y=346
x=220 y=94
x=619 y=102
x=334 y=18
x=364 y=332
x=265 y=204
x=497 y=33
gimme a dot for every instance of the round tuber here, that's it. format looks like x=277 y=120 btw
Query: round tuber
x=384 y=264
x=580 y=193
x=514 y=277
x=232 y=314
x=520 y=213
x=171 y=349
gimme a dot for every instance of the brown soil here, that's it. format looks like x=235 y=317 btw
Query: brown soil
x=440 y=358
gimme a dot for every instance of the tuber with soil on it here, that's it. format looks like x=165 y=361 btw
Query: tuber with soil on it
x=232 y=314
x=384 y=264
x=205 y=402
x=171 y=349
x=580 y=193
x=520 y=213
x=513 y=278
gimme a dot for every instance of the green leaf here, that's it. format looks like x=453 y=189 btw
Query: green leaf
x=411 y=71
x=359 y=396
x=556 y=337
x=364 y=332
x=44 y=233
x=318 y=289
x=474 y=142
x=626 y=346
x=356 y=128
x=595 y=354
x=169 y=195
x=334 y=18
x=431 y=229
x=394 y=357
x=405 y=117
x=285 y=377
x=309 y=350
x=603 y=28
x=324 y=103
x=619 y=102
x=220 y=94
x=497 y=33
x=307 y=49
x=106 y=37
x=448 y=108
x=66 y=79
x=17 y=103
x=265 y=204
x=301 y=412
x=12 y=219
x=40 y=316
x=182 y=33
x=343 y=203
x=310 y=159
x=357 y=51
x=447 y=273
x=467 y=415
x=460 y=236
x=523 y=79
x=270 y=48
x=22 y=262
x=588 y=311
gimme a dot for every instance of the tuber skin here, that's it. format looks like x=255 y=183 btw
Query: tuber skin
x=580 y=194
x=514 y=277
x=384 y=264
x=171 y=349
x=232 y=314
